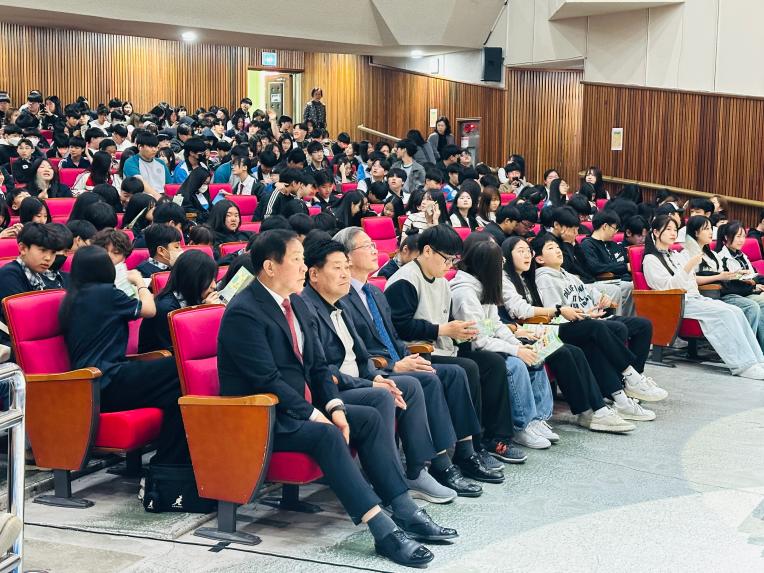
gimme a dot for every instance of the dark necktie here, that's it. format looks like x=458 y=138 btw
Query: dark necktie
x=292 y=331
x=376 y=316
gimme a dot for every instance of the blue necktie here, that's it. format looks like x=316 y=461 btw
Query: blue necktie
x=380 y=324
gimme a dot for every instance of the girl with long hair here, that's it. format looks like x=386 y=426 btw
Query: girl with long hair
x=463 y=211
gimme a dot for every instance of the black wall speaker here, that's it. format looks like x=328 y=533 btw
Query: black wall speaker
x=493 y=62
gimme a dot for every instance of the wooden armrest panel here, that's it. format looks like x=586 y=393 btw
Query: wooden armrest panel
x=605 y=276
x=536 y=320
x=62 y=417
x=711 y=286
x=153 y=355
x=664 y=309
x=230 y=443
x=379 y=362
x=421 y=348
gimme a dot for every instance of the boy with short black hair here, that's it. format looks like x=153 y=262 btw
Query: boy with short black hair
x=76 y=158
x=698 y=206
x=82 y=233
x=601 y=253
x=152 y=172
x=163 y=243
x=507 y=217
x=22 y=168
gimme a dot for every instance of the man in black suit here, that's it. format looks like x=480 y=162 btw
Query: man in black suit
x=360 y=382
x=266 y=345
x=449 y=406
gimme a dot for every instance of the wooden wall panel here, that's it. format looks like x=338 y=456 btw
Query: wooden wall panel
x=70 y=63
x=695 y=141
x=544 y=121
x=394 y=101
x=287 y=59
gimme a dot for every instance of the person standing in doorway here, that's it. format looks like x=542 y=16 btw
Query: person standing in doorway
x=315 y=111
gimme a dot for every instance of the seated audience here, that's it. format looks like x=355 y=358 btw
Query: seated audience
x=163 y=243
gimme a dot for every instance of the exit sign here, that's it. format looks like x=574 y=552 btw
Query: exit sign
x=269 y=59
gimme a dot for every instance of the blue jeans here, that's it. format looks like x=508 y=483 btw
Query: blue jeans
x=530 y=393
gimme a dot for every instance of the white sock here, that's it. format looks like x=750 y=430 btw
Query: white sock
x=621 y=398
x=602 y=411
x=586 y=412
x=631 y=374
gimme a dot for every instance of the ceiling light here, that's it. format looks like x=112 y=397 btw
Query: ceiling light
x=417 y=53
x=188 y=36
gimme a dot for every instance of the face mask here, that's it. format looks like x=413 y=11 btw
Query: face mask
x=173 y=256
x=14 y=140
x=57 y=263
x=34 y=141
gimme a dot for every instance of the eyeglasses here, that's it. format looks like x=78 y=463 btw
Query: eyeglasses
x=450 y=261
x=372 y=246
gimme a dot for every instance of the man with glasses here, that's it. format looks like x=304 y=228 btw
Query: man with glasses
x=420 y=304
x=601 y=253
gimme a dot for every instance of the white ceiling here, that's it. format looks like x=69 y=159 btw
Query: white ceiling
x=578 y=8
x=371 y=27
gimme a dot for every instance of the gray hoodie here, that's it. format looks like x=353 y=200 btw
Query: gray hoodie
x=560 y=287
x=465 y=305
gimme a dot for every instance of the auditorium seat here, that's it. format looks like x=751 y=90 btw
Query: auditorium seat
x=60 y=208
x=171 y=189
x=314 y=210
x=63 y=422
x=664 y=309
x=54 y=161
x=253 y=227
x=230 y=439
x=378 y=282
x=69 y=175
x=136 y=258
x=230 y=248
x=348 y=187
x=246 y=203
x=5 y=260
x=203 y=248
x=9 y=247
x=507 y=198
x=216 y=188
x=382 y=231
x=47 y=134
x=601 y=204
x=463 y=232
x=377 y=207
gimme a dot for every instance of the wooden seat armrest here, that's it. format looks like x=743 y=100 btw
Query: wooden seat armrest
x=421 y=348
x=712 y=286
x=153 y=355
x=380 y=363
x=539 y=319
x=605 y=276
x=664 y=309
x=89 y=373
x=266 y=400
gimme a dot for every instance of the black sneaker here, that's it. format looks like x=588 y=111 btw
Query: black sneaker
x=489 y=461
x=505 y=452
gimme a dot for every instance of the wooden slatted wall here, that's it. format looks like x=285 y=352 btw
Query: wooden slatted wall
x=70 y=63
x=544 y=121
x=696 y=141
x=287 y=59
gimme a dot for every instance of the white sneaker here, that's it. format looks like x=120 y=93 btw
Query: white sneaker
x=643 y=390
x=610 y=422
x=531 y=439
x=544 y=430
x=755 y=372
x=633 y=411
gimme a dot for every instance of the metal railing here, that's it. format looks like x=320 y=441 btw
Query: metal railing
x=365 y=129
x=12 y=421
x=679 y=190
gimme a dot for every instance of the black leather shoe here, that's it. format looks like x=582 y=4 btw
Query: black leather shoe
x=452 y=478
x=399 y=548
x=473 y=468
x=420 y=526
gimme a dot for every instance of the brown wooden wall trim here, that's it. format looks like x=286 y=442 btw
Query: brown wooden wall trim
x=288 y=60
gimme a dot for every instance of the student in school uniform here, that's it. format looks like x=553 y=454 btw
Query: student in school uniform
x=163 y=243
x=94 y=317
x=192 y=282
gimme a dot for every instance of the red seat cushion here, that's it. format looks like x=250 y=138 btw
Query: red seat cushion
x=690 y=328
x=292 y=467
x=128 y=430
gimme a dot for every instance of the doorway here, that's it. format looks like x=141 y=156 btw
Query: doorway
x=280 y=91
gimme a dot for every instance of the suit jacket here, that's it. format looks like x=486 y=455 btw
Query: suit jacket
x=364 y=324
x=332 y=345
x=255 y=355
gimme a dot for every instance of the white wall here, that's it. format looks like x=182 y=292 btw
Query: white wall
x=700 y=45
x=460 y=66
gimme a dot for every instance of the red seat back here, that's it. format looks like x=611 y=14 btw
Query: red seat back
x=38 y=341
x=203 y=248
x=252 y=227
x=136 y=258
x=347 y=187
x=382 y=231
x=130 y=234
x=463 y=232
x=159 y=281
x=54 y=161
x=314 y=210
x=60 y=208
x=216 y=188
x=636 y=257
x=9 y=247
x=47 y=134
x=377 y=207
x=133 y=330
x=196 y=356
x=378 y=282
x=600 y=204
x=69 y=175
x=751 y=249
x=507 y=198
x=382 y=259
x=171 y=189
x=229 y=248
x=588 y=225
x=5 y=260
x=247 y=204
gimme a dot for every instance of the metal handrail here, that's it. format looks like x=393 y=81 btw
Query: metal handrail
x=678 y=190
x=13 y=420
x=365 y=129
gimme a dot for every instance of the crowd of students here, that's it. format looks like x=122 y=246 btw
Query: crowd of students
x=460 y=411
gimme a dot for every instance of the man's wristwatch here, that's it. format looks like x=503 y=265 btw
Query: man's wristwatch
x=558 y=310
x=336 y=407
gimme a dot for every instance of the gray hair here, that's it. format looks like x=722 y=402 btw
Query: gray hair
x=347 y=237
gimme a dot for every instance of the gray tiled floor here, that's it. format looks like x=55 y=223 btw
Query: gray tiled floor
x=684 y=493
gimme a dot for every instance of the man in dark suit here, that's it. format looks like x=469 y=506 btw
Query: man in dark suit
x=360 y=382
x=449 y=405
x=266 y=344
